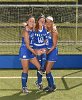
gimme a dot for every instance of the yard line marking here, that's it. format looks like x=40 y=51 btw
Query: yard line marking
x=13 y=77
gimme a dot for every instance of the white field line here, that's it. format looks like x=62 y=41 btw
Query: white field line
x=43 y=77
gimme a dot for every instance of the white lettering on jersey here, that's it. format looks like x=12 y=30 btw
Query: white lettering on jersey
x=24 y=56
x=40 y=39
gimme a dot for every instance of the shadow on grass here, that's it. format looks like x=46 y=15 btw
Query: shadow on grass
x=33 y=95
x=74 y=84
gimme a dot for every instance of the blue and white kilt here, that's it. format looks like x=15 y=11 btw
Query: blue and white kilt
x=53 y=55
x=25 y=53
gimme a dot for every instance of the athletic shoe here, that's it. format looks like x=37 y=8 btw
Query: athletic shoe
x=46 y=88
x=43 y=72
x=25 y=90
x=40 y=86
x=50 y=89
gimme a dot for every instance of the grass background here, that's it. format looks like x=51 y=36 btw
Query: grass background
x=67 y=89
x=39 y=0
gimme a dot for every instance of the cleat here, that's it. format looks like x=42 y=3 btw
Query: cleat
x=50 y=89
x=25 y=90
x=43 y=71
x=40 y=86
x=46 y=88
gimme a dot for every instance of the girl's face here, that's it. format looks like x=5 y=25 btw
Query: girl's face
x=41 y=21
x=31 y=22
x=49 y=23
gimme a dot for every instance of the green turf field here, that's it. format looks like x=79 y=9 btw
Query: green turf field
x=69 y=86
x=39 y=0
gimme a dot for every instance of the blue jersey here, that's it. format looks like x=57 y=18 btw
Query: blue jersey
x=53 y=55
x=40 y=39
x=24 y=52
x=31 y=38
x=49 y=40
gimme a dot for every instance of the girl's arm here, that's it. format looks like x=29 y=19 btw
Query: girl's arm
x=55 y=39
x=26 y=39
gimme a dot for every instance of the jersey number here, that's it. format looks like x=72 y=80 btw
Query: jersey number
x=40 y=39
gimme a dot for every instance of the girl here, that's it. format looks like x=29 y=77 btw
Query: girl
x=40 y=46
x=27 y=53
x=51 y=53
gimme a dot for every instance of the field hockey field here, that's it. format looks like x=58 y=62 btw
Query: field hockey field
x=39 y=0
x=69 y=85
x=68 y=82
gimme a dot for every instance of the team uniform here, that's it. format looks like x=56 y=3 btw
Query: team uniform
x=40 y=38
x=24 y=52
x=40 y=43
x=53 y=55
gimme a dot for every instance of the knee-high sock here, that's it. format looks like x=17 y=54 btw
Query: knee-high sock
x=50 y=80
x=39 y=58
x=43 y=61
x=24 y=78
x=39 y=77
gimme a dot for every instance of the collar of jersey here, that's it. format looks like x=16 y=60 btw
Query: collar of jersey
x=41 y=29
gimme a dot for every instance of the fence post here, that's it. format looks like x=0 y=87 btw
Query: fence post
x=76 y=21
